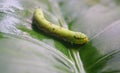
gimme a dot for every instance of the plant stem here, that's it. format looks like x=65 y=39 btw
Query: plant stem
x=74 y=54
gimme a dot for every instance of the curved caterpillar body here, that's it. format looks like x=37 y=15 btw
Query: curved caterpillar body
x=62 y=33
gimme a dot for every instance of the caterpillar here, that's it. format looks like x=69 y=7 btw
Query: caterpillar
x=58 y=31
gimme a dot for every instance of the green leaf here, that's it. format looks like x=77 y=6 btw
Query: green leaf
x=25 y=49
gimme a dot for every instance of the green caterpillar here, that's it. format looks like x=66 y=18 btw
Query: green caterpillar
x=62 y=33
